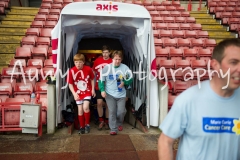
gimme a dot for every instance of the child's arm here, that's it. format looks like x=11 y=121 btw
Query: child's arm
x=75 y=95
x=93 y=87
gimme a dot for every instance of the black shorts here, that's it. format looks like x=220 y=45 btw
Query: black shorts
x=98 y=95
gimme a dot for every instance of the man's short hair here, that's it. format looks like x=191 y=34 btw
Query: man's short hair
x=218 y=52
x=119 y=53
x=106 y=47
x=79 y=57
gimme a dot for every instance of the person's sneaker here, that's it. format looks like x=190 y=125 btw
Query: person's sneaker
x=120 y=128
x=101 y=124
x=81 y=131
x=113 y=133
x=87 y=129
x=107 y=126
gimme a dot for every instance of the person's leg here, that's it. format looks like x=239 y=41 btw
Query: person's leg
x=121 y=111
x=81 y=117
x=112 y=107
x=106 y=116
x=100 y=109
x=86 y=110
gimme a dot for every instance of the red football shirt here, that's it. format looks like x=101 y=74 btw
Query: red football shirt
x=99 y=63
x=81 y=81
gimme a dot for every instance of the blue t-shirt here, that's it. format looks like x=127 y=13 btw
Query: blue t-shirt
x=209 y=125
x=113 y=77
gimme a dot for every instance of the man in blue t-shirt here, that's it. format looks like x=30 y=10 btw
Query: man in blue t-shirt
x=207 y=118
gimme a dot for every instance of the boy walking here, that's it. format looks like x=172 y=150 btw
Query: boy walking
x=99 y=63
x=81 y=84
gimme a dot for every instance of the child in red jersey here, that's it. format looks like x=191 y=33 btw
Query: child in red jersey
x=99 y=63
x=81 y=84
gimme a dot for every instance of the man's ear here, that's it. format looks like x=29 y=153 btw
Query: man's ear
x=215 y=64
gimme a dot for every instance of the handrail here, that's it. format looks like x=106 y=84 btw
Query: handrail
x=190 y=5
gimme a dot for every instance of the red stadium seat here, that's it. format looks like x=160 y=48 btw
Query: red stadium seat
x=190 y=54
x=43 y=41
x=204 y=53
x=164 y=13
x=180 y=86
x=168 y=19
x=47 y=1
x=229 y=9
x=162 y=52
x=58 y=1
x=52 y=18
x=49 y=24
x=202 y=34
x=150 y=8
x=40 y=17
x=196 y=26
x=166 y=3
x=211 y=6
x=198 y=64
x=180 y=8
x=161 y=26
x=170 y=8
x=165 y=63
x=175 y=13
x=182 y=64
x=55 y=11
x=47 y=72
x=180 y=20
x=156 y=3
x=176 y=3
x=160 y=8
x=190 y=20
x=169 y=43
x=39 y=52
x=171 y=98
x=196 y=43
x=5 y=91
x=48 y=63
x=35 y=62
x=32 y=32
x=184 y=26
x=23 y=53
x=43 y=11
x=210 y=43
x=45 y=32
x=157 y=19
x=45 y=6
x=178 y=34
x=17 y=62
x=158 y=42
x=37 y=24
x=154 y=13
x=138 y=2
x=57 y=6
x=28 y=41
x=173 y=26
x=190 y=34
x=23 y=90
x=165 y=33
x=156 y=33
x=147 y=3
x=183 y=42
x=175 y=53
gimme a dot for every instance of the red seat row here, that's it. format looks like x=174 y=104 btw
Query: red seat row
x=169 y=13
x=173 y=20
x=180 y=34
x=177 y=26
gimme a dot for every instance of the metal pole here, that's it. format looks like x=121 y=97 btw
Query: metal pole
x=200 y=5
x=20 y=3
x=189 y=5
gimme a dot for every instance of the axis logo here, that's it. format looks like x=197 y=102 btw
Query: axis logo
x=107 y=7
